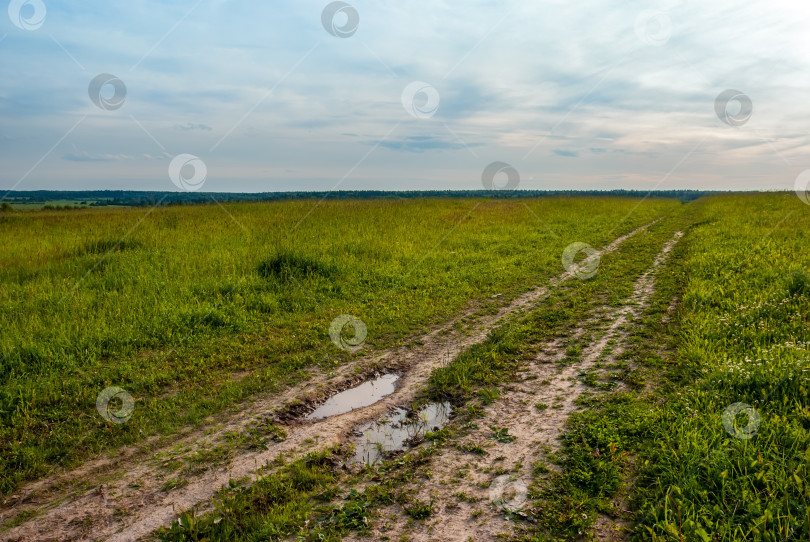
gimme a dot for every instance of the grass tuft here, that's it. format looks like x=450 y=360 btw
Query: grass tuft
x=799 y=283
x=103 y=246
x=288 y=265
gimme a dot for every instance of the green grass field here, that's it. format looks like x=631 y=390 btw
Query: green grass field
x=195 y=310
x=168 y=304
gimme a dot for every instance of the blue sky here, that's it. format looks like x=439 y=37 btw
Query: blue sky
x=572 y=95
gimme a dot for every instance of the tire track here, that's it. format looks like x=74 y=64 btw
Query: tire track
x=134 y=504
x=537 y=431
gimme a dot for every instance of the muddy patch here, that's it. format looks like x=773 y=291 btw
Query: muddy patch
x=366 y=394
x=298 y=406
x=400 y=430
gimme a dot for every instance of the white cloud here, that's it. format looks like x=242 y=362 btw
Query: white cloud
x=538 y=85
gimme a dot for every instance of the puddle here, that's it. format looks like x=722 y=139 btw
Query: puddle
x=361 y=396
x=397 y=430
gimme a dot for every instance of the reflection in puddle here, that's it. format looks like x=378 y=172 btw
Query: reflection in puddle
x=397 y=431
x=363 y=395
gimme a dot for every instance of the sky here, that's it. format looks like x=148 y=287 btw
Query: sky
x=227 y=95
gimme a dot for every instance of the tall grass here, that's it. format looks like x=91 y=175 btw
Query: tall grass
x=169 y=303
x=744 y=338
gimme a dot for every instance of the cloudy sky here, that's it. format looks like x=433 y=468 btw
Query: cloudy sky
x=383 y=94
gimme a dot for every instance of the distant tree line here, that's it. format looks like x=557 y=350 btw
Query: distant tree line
x=141 y=198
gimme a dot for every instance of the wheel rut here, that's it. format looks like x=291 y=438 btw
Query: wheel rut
x=474 y=495
x=132 y=501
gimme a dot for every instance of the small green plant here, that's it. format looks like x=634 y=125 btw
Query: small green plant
x=799 y=282
x=463 y=497
x=21 y=518
x=174 y=483
x=420 y=510
x=352 y=515
x=472 y=448
x=438 y=437
x=589 y=378
x=502 y=434
x=572 y=354
x=273 y=431
x=489 y=395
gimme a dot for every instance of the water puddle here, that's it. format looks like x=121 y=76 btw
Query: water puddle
x=361 y=396
x=398 y=431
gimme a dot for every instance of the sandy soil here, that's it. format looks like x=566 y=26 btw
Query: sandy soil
x=126 y=500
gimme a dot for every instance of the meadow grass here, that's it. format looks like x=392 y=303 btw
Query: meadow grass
x=277 y=506
x=472 y=382
x=739 y=336
x=193 y=309
x=743 y=338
